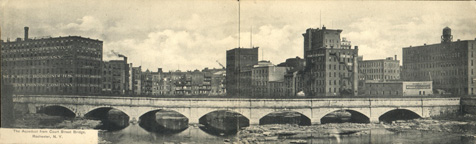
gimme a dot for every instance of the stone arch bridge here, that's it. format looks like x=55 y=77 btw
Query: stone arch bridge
x=253 y=109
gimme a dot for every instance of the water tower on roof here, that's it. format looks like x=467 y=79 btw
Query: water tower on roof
x=446 y=37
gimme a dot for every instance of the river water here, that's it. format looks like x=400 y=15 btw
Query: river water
x=134 y=134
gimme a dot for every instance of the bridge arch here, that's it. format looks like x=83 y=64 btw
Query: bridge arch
x=167 y=121
x=285 y=117
x=319 y=113
x=223 y=121
x=181 y=112
x=57 y=110
x=399 y=114
x=111 y=118
x=345 y=115
x=91 y=109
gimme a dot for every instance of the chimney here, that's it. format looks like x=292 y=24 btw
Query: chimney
x=26 y=33
x=395 y=57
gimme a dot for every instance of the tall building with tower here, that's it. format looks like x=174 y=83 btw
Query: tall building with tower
x=449 y=64
x=59 y=65
x=331 y=64
x=239 y=63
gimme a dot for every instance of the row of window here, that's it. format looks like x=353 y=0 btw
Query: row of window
x=427 y=74
x=84 y=71
x=53 y=80
x=42 y=43
x=21 y=89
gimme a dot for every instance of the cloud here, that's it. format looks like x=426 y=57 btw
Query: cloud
x=380 y=37
x=171 y=49
x=194 y=34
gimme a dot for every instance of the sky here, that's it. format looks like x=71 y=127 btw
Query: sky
x=189 y=35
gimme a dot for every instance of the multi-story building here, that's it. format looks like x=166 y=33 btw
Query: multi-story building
x=146 y=83
x=239 y=62
x=136 y=80
x=156 y=82
x=293 y=82
x=381 y=69
x=331 y=64
x=59 y=65
x=293 y=77
x=262 y=75
x=450 y=65
x=115 y=77
x=218 y=84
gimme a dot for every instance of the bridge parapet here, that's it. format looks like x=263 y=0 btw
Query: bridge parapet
x=253 y=109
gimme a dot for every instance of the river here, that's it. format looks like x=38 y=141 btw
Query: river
x=136 y=134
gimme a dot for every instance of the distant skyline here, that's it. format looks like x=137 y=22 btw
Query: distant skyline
x=194 y=34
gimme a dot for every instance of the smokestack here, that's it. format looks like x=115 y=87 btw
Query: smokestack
x=395 y=57
x=26 y=33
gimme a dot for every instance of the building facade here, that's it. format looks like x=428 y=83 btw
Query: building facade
x=239 y=62
x=136 y=80
x=449 y=64
x=382 y=69
x=293 y=77
x=60 y=65
x=115 y=77
x=331 y=65
x=262 y=75
x=398 y=88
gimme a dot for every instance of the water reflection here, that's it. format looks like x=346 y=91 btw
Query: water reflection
x=136 y=134
x=193 y=134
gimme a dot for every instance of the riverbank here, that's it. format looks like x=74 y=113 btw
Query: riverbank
x=461 y=125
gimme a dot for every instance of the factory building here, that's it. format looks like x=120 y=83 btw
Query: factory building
x=61 y=65
x=449 y=64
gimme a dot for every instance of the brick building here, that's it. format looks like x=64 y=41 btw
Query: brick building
x=381 y=69
x=218 y=83
x=59 y=65
x=293 y=82
x=449 y=64
x=262 y=75
x=331 y=64
x=239 y=62
x=136 y=79
x=115 y=77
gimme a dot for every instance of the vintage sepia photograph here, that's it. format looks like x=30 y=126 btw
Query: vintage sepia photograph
x=237 y=72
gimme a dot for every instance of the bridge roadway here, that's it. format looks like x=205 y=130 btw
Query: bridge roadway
x=253 y=109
